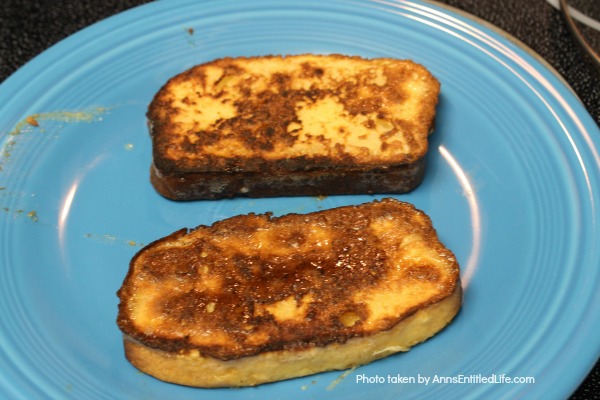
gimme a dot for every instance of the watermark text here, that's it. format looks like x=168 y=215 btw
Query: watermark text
x=444 y=379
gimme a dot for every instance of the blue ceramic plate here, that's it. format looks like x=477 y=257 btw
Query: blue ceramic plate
x=512 y=186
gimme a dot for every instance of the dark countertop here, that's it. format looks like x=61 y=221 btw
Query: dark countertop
x=27 y=28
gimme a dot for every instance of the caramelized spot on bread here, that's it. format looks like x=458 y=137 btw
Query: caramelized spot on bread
x=256 y=283
x=333 y=110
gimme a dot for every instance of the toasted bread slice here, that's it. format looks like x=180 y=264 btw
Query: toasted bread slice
x=257 y=298
x=294 y=125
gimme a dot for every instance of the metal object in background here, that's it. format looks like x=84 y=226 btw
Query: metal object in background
x=564 y=8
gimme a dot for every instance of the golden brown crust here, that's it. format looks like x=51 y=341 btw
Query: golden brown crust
x=306 y=115
x=256 y=283
x=194 y=369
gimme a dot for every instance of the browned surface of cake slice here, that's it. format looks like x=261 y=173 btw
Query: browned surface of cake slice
x=256 y=298
x=293 y=125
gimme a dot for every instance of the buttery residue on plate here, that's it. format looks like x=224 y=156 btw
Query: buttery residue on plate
x=20 y=213
x=23 y=209
x=33 y=216
x=35 y=122
x=190 y=36
x=111 y=239
x=306 y=387
x=340 y=378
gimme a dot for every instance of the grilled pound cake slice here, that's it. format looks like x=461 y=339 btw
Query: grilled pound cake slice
x=293 y=125
x=257 y=298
